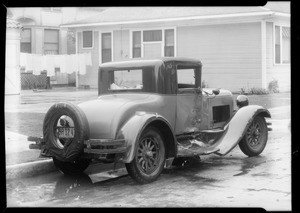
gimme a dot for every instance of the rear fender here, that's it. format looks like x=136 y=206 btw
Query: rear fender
x=237 y=126
x=133 y=128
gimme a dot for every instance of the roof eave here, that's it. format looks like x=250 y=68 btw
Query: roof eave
x=253 y=14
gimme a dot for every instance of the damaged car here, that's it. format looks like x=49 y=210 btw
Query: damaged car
x=150 y=114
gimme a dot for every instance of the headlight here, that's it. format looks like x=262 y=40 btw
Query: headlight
x=242 y=100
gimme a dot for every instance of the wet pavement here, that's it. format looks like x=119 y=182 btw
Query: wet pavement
x=234 y=180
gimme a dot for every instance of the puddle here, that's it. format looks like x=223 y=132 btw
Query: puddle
x=249 y=163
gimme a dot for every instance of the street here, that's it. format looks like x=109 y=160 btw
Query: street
x=234 y=180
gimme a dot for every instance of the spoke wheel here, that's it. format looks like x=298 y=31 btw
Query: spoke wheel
x=149 y=157
x=255 y=139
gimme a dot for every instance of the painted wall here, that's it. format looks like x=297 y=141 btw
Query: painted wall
x=230 y=53
x=91 y=76
x=12 y=62
x=280 y=72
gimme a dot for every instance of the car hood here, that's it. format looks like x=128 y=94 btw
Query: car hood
x=108 y=113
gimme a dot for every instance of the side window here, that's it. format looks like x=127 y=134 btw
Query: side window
x=186 y=77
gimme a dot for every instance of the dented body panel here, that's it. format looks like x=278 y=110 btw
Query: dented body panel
x=237 y=126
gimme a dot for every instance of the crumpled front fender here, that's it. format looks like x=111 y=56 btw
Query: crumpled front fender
x=237 y=126
x=132 y=130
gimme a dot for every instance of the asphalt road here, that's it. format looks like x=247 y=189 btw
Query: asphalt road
x=234 y=180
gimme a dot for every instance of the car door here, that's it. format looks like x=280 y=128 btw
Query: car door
x=192 y=112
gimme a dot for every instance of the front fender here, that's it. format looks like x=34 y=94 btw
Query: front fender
x=237 y=126
x=133 y=128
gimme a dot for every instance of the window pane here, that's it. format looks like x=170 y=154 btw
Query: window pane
x=286 y=45
x=26 y=47
x=136 y=39
x=51 y=49
x=169 y=51
x=136 y=53
x=51 y=36
x=127 y=79
x=26 y=35
x=277 y=45
x=169 y=37
x=87 y=39
x=106 y=41
x=185 y=76
x=152 y=35
x=106 y=55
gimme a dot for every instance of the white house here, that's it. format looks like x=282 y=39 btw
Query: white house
x=240 y=47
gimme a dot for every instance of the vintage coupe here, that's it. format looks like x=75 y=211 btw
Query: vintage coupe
x=150 y=114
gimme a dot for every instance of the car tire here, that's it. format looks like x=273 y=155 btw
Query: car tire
x=150 y=157
x=69 y=115
x=76 y=167
x=255 y=138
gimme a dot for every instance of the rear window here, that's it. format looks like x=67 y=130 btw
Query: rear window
x=126 y=79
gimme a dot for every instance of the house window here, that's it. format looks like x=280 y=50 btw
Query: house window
x=277 y=45
x=169 y=42
x=136 y=44
x=286 y=45
x=87 y=39
x=152 y=35
x=51 y=42
x=153 y=43
x=282 y=45
x=106 y=47
x=26 y=41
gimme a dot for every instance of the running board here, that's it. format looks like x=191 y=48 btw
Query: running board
x=195 y=147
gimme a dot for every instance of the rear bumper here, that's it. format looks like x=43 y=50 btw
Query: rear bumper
x=104 y=146
x=92 y=147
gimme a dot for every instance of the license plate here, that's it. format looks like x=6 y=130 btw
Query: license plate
x=66 y=132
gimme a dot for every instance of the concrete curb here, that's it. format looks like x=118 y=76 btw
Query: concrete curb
x=30 y=169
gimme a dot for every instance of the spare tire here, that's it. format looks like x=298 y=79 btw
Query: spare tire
x=65 y=128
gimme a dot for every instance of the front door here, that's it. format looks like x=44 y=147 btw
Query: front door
x=192 y=108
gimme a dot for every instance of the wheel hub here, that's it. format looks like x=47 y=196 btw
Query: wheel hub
x=148 y=153
x=254 y=134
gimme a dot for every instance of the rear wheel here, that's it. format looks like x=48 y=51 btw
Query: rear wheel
x=149 y=159
x=255 y=139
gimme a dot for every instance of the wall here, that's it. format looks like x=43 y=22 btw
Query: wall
x=230 y=53
x=91 y=76
x=12 y=62
x=281 y=72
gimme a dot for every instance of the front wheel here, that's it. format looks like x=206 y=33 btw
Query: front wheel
x=149 y=159
x=255 y=139
x=75 y=167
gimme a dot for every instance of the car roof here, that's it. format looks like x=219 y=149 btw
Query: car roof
x=150 y=62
